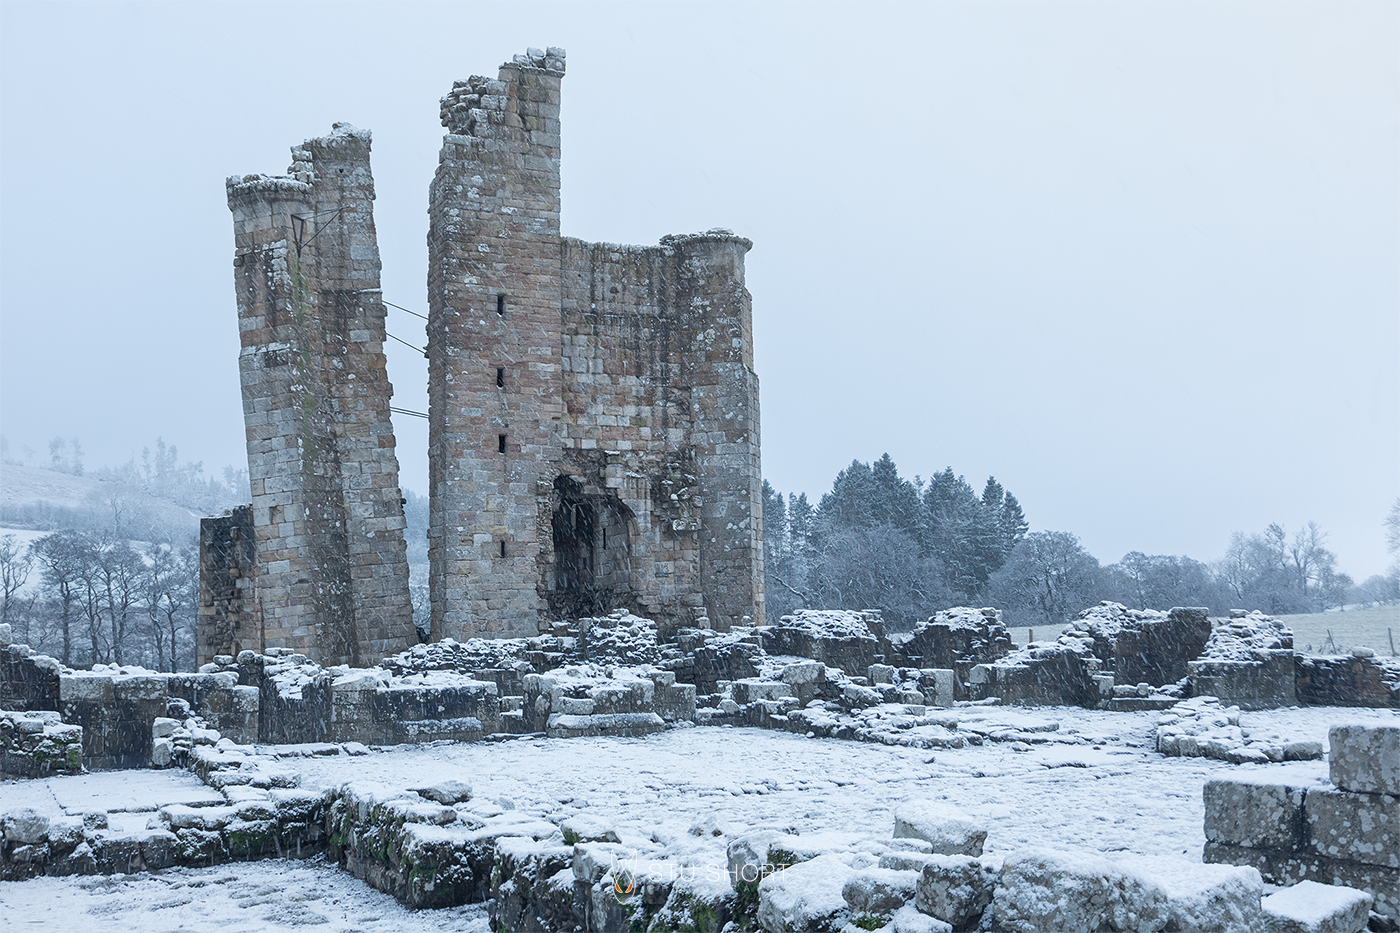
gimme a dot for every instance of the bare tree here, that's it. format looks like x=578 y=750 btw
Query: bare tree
x=1047 y=578
x=61 y=558
x=16 y=562
x=161 y=577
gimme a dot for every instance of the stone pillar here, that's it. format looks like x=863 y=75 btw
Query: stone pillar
x=327 y=509
x=494 y=348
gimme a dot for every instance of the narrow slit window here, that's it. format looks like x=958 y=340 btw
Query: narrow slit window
x=500 y=377
x=500 y=443
x=503 y=549
x=501 y=305
x=605 y=539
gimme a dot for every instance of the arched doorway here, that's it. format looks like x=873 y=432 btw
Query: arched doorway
x=592 y=552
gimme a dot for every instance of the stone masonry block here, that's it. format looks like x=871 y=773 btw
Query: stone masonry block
x=1365 y=759
x=1359 y=827
x=955 y=888
x=1260 y=816
x=1309 y=907
x=946 y=828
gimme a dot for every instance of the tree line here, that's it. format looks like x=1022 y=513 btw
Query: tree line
x=117 y=579
x=88 y=598
x=911 y=547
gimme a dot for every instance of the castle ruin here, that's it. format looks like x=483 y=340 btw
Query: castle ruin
x=593 y=408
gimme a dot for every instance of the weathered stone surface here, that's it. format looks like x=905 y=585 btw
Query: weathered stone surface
x=1264 y=816
x=1290 y=866
x=1143 y=646
x=878 y=891
x=1039 y=675
x=1360 y=827
x=1218 y=898
x=850 y=641
x=584 y=828
x=955 y=888
x=1309 y=907
x=1055 y=891
x=330 y=565
x=446 y=792
x=946 y=828
x=25 y=826
x=1365 y=759
x=806 y=898
x=956 y=639
x=1348 y=681
x=1248 y=662
x=749 y=691
x=755 y=855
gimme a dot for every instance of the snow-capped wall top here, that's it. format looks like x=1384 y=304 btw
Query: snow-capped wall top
x=830 y=623
x=1239 y=638
x=965 y=617
x=1107 y=619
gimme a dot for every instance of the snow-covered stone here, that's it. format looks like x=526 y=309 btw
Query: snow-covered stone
x=947 y=829
x=879 y=890
x=1040 y=890
x=1365 y=759
x=1253 y=814
x=803 y=672
x=755 y=855
x=806 y=898
x=25 y=826
x=1219 y=898
x=163 y=727
x=1201 y=728
x=955 y=888
x=446 y=792
x=1310 y=907
x=584 y=828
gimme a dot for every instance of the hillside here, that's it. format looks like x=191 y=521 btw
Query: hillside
x=46 y=500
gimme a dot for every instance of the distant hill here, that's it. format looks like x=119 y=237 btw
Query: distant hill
x=47 y=500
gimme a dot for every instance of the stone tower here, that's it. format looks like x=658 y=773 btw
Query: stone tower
x=330 y=561
x=594 y=430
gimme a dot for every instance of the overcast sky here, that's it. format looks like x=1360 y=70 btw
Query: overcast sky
x=1139 y=261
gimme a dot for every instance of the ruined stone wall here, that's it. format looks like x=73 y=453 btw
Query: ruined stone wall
x=661 y=415
x=229 y=620
x=593 y=408
x=327 y=512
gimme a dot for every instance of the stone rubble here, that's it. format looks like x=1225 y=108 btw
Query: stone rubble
x=1200 y=727
x=38 y=744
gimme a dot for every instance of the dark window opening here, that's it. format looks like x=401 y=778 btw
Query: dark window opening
x=501 y=305
x=503 y=549
x=605 y=539
x=500 y=443
x=500 y=377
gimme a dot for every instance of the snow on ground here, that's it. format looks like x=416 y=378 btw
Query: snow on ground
x=1095 y=785
x=253 y=897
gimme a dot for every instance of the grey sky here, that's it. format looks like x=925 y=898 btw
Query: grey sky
x=1139 y=261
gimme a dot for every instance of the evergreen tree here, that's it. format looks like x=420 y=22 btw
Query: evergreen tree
x=851 y=500
x=1013 y=524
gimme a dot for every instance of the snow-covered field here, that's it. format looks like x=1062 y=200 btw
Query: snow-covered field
x=1094 y=784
